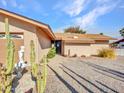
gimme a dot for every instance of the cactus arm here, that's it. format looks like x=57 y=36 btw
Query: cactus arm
x=35 y=70
x=39 y=84
x=7 y=28
x=44 y=72
x=0 y=85
x=10 y=57
x=8 y=85
x=32 y=54
x=10 y=49
x=32 y=59
x=8 y=89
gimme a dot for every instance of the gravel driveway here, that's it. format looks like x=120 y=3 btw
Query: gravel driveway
x=85 y=75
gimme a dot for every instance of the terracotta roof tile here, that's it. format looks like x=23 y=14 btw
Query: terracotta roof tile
x=82 y=38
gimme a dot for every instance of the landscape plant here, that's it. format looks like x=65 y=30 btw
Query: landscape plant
x=38 y=70
x=7 y=70
x=32 y=58
x=51 y=53
x=107 y=53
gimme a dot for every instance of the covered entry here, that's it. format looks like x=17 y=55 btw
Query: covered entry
x=58 y=45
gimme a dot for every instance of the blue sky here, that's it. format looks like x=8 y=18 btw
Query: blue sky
x=94 y=16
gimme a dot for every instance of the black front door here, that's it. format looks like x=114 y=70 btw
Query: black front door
x=58 y=46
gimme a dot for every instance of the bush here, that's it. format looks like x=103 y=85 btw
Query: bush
x=75 y=55
x=51 y=53
x=107 y=53
x=83 y=56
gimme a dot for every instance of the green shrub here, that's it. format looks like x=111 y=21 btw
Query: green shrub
x=51 y=53
x=107 y=53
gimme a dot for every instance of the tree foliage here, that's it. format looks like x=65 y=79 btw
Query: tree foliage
x=122 y=32
x=75 y=30
x=101 y=33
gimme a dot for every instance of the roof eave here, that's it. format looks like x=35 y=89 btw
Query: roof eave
x=28 y=20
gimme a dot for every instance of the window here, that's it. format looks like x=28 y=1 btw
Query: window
x=2 y=35
x=12 y=35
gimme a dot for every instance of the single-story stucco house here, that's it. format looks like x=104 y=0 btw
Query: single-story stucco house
x=70 y=44
x=23 y=30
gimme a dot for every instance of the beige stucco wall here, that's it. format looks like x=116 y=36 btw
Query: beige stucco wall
x=83 y=49
x=44 y=43
x=3 y=46
x=29 y=32
x=96 y=47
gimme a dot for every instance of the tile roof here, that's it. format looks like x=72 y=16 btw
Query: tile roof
x=82 y=38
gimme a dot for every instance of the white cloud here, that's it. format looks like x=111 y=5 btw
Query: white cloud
x=91 y=17
x=75 y=7
x=23 y=6
x=72 y=7
x=12 y=3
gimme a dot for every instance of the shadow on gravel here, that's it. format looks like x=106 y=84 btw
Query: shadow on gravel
x=72 y=89
x=107 y=75
x=84 y=79
x=106 y=86
x=78 y=81
x=105 y=69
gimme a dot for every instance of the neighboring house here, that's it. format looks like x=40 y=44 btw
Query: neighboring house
x=118 y=43
x=23 y=30
x=70 y=44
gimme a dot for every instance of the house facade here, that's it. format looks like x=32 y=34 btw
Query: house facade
x=22 y=31
x=69 y=44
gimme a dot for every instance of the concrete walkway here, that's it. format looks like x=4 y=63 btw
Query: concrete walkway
x=85 y=75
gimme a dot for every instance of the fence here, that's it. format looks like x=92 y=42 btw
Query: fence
x=119 y=52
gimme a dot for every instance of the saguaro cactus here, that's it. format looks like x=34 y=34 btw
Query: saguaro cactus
x=1 y=79
x=10 y=57
x=32 y=59
x=40 y=75
x=6 y=72
x=9 y=67
x=10 y=49
x=44 y=79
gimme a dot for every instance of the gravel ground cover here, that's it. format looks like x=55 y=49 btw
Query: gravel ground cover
x=85 y=75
